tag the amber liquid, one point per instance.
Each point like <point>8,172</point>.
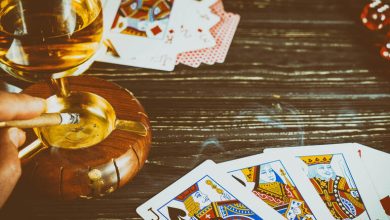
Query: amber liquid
<point>39,38</point>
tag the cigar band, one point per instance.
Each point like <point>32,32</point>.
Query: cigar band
<point>70,118</point>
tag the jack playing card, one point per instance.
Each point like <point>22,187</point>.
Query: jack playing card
<point>142,34</point>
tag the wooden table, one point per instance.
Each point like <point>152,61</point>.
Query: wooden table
<point>297,73</point>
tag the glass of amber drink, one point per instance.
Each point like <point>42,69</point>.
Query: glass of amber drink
<point>44,39</point>
<point>51,40</point>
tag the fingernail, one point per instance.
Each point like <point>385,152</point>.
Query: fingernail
<point>16,136</point>
<point>42,103</point>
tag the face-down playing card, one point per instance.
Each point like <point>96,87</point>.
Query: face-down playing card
<point>205,193</point>
<point>339,178</point>
<point>274,180</point>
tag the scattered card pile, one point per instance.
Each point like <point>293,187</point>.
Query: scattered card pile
<point>324,182</point>
<point>160,34</point>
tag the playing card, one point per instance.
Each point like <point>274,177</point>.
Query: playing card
<point>275,181</point>
<point>110,8</point>
<point>224,37</point>
<point>194,58</point>
<point>204,14</point>
<point>223,33</point>
<point>142,34</point>
<point>217,53</point>
<point>377,163</point>
<point>192,32</point>
<point>206,3</point>
<point>339,178</point>
<point>206,194</point>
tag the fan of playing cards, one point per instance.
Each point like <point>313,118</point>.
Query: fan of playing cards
<point>324,182</point>
<point>160,34</point>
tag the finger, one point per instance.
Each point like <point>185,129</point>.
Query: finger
<point>16,136</point>
<point>10,168</point>
<point>20,106</point>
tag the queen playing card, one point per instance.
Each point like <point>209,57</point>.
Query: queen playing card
<point>205,193</point>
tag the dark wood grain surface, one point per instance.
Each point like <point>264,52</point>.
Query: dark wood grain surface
<point>299,72</point>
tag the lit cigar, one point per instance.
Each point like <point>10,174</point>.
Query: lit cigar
<point>44,120</point>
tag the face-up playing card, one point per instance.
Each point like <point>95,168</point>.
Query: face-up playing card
<point>192,30</point>
<point>203,12</point>
<point>339,178</point>
<point>206,3</point>
<point>205,193</point>
<point>377,163</point>
<point>142,34</point>
<point>110,8</point>
<point>223,33</point>
<point>275,181</point>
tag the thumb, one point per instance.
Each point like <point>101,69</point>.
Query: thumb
<point>10,169</point>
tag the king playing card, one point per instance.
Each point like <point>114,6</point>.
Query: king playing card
<point>339,178</point>
<point>205,193</point>
<point>273,180</point>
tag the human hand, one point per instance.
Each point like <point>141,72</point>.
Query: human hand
<point>12,107</point>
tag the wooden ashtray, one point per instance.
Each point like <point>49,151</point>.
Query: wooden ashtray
<point>96,170</point>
